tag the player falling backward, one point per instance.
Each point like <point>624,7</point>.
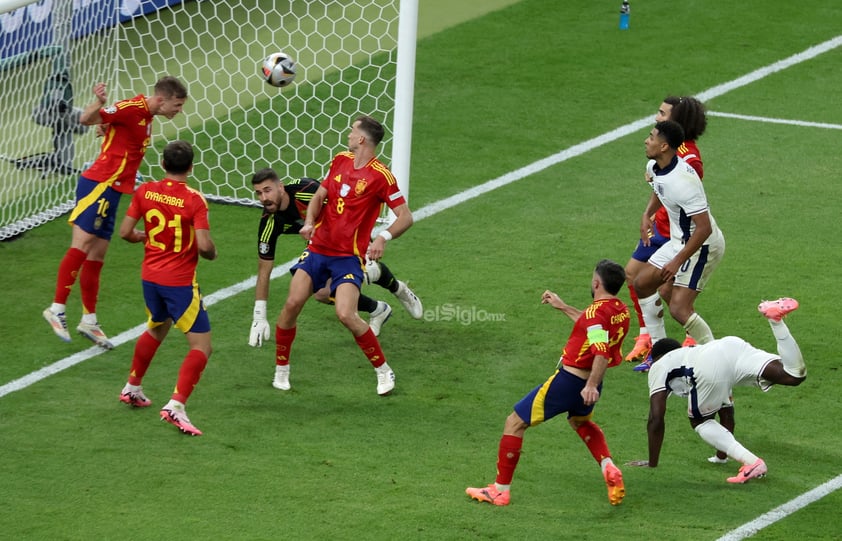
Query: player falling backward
<point>284,211</point>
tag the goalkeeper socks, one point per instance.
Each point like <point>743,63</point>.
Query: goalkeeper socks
<point>698,329</point>
<point>68,271</point>
<point>189,374</point>
<point>788,349</point>
<point>371,347</point>
<point>508,454</point>
<point>89,284</point>
<point>283,344</point>
<point>653,316</point>
<point>144,351</point>
<point>366,304</point>
<point>387,279</point>
<point>594,438</point>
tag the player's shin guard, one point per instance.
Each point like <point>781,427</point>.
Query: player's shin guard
<point>788,349</point>
<point>653,316</point>
<point>718,437</point>
<point>371,347</point>
<point>698,329</point>
<point>387,280</point>
<point>144,351</point>
<point>68,271</point>
<point>283,344</point>
<point>508,454</point>
<point>594,438</point>
<point>189,374</point>
<point>89,284</point>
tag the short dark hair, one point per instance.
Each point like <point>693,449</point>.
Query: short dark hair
<point>672,132</point>
<point>663,346</point>
<point>170,87</point>
<point>178,157</point>
<point>267,173</point>
<point>373,128</point>
<point>612,274</point>
<point>692,115</point>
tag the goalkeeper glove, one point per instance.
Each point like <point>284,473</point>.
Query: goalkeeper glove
<point>260,326</point>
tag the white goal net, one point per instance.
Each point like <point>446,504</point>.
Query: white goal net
<point>52,53</point>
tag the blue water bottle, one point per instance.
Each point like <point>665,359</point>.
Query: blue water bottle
<point>625,10</point>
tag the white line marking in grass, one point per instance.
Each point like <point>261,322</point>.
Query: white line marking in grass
<point>750,528</point>
<point>767,120</point>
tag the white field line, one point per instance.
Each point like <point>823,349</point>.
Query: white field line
<point>767,120</point>
<point>738,534</point>
<point>750,528</point>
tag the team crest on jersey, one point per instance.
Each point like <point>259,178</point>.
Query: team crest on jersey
<point>344,190</point>
<point>660,189</point>
<point>263,248</point>
<point>360,187</point>
<point>110,110</point>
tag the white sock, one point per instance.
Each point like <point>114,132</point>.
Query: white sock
<point>89,319</point>
<point>502,488</point>
<point>788,349</point>
<point>57,308</point>
<point>605,462</point>
<point>174,405</point>
<point>719,438</point>
<point>698,329</point>
<point>653,316</point>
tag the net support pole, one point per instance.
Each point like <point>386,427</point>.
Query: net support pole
<point>404,94</point>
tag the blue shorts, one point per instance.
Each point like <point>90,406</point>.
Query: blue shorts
<point>643,253</point>
<point>182,304</point>
<point>337,269</point>
<point>96,208</point>
<point>559,394</point>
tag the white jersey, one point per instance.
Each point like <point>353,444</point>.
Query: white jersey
<point>680,190</point>
<point>705,374</point>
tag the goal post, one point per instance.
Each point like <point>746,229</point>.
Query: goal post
<point>353,57</point>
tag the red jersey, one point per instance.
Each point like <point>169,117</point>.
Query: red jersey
<point>354,199</point>
<point>689,152</point>
<point>128,134</point>
<point>600,330</point>
<point>171,212</point>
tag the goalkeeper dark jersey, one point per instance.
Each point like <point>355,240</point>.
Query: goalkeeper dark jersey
<point>288,221</point>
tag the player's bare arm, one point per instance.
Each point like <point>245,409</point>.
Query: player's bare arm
<point>403,221</point>
<point>128,231</point>
<point>552,298</point>
<point>207,249</point>
<point>314,208</point>
<point>590,392</point>
<point>646,225</point>
<point>90,115</point>
<point>655,429</point>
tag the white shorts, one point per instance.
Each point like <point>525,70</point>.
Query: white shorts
<point>718,367</point>
<point>696,271</point>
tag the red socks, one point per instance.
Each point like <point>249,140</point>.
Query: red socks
<point>636,301</point>
<point>508,455</point>
<point>144,350</point>
<point>283,344</point>
<point>188,376</point>
<point>594,438</point>
<point>89,284</point>
<point>371,347</point>
<point>68,270</point>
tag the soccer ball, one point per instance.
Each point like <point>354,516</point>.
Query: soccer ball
<point>278,70</point>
